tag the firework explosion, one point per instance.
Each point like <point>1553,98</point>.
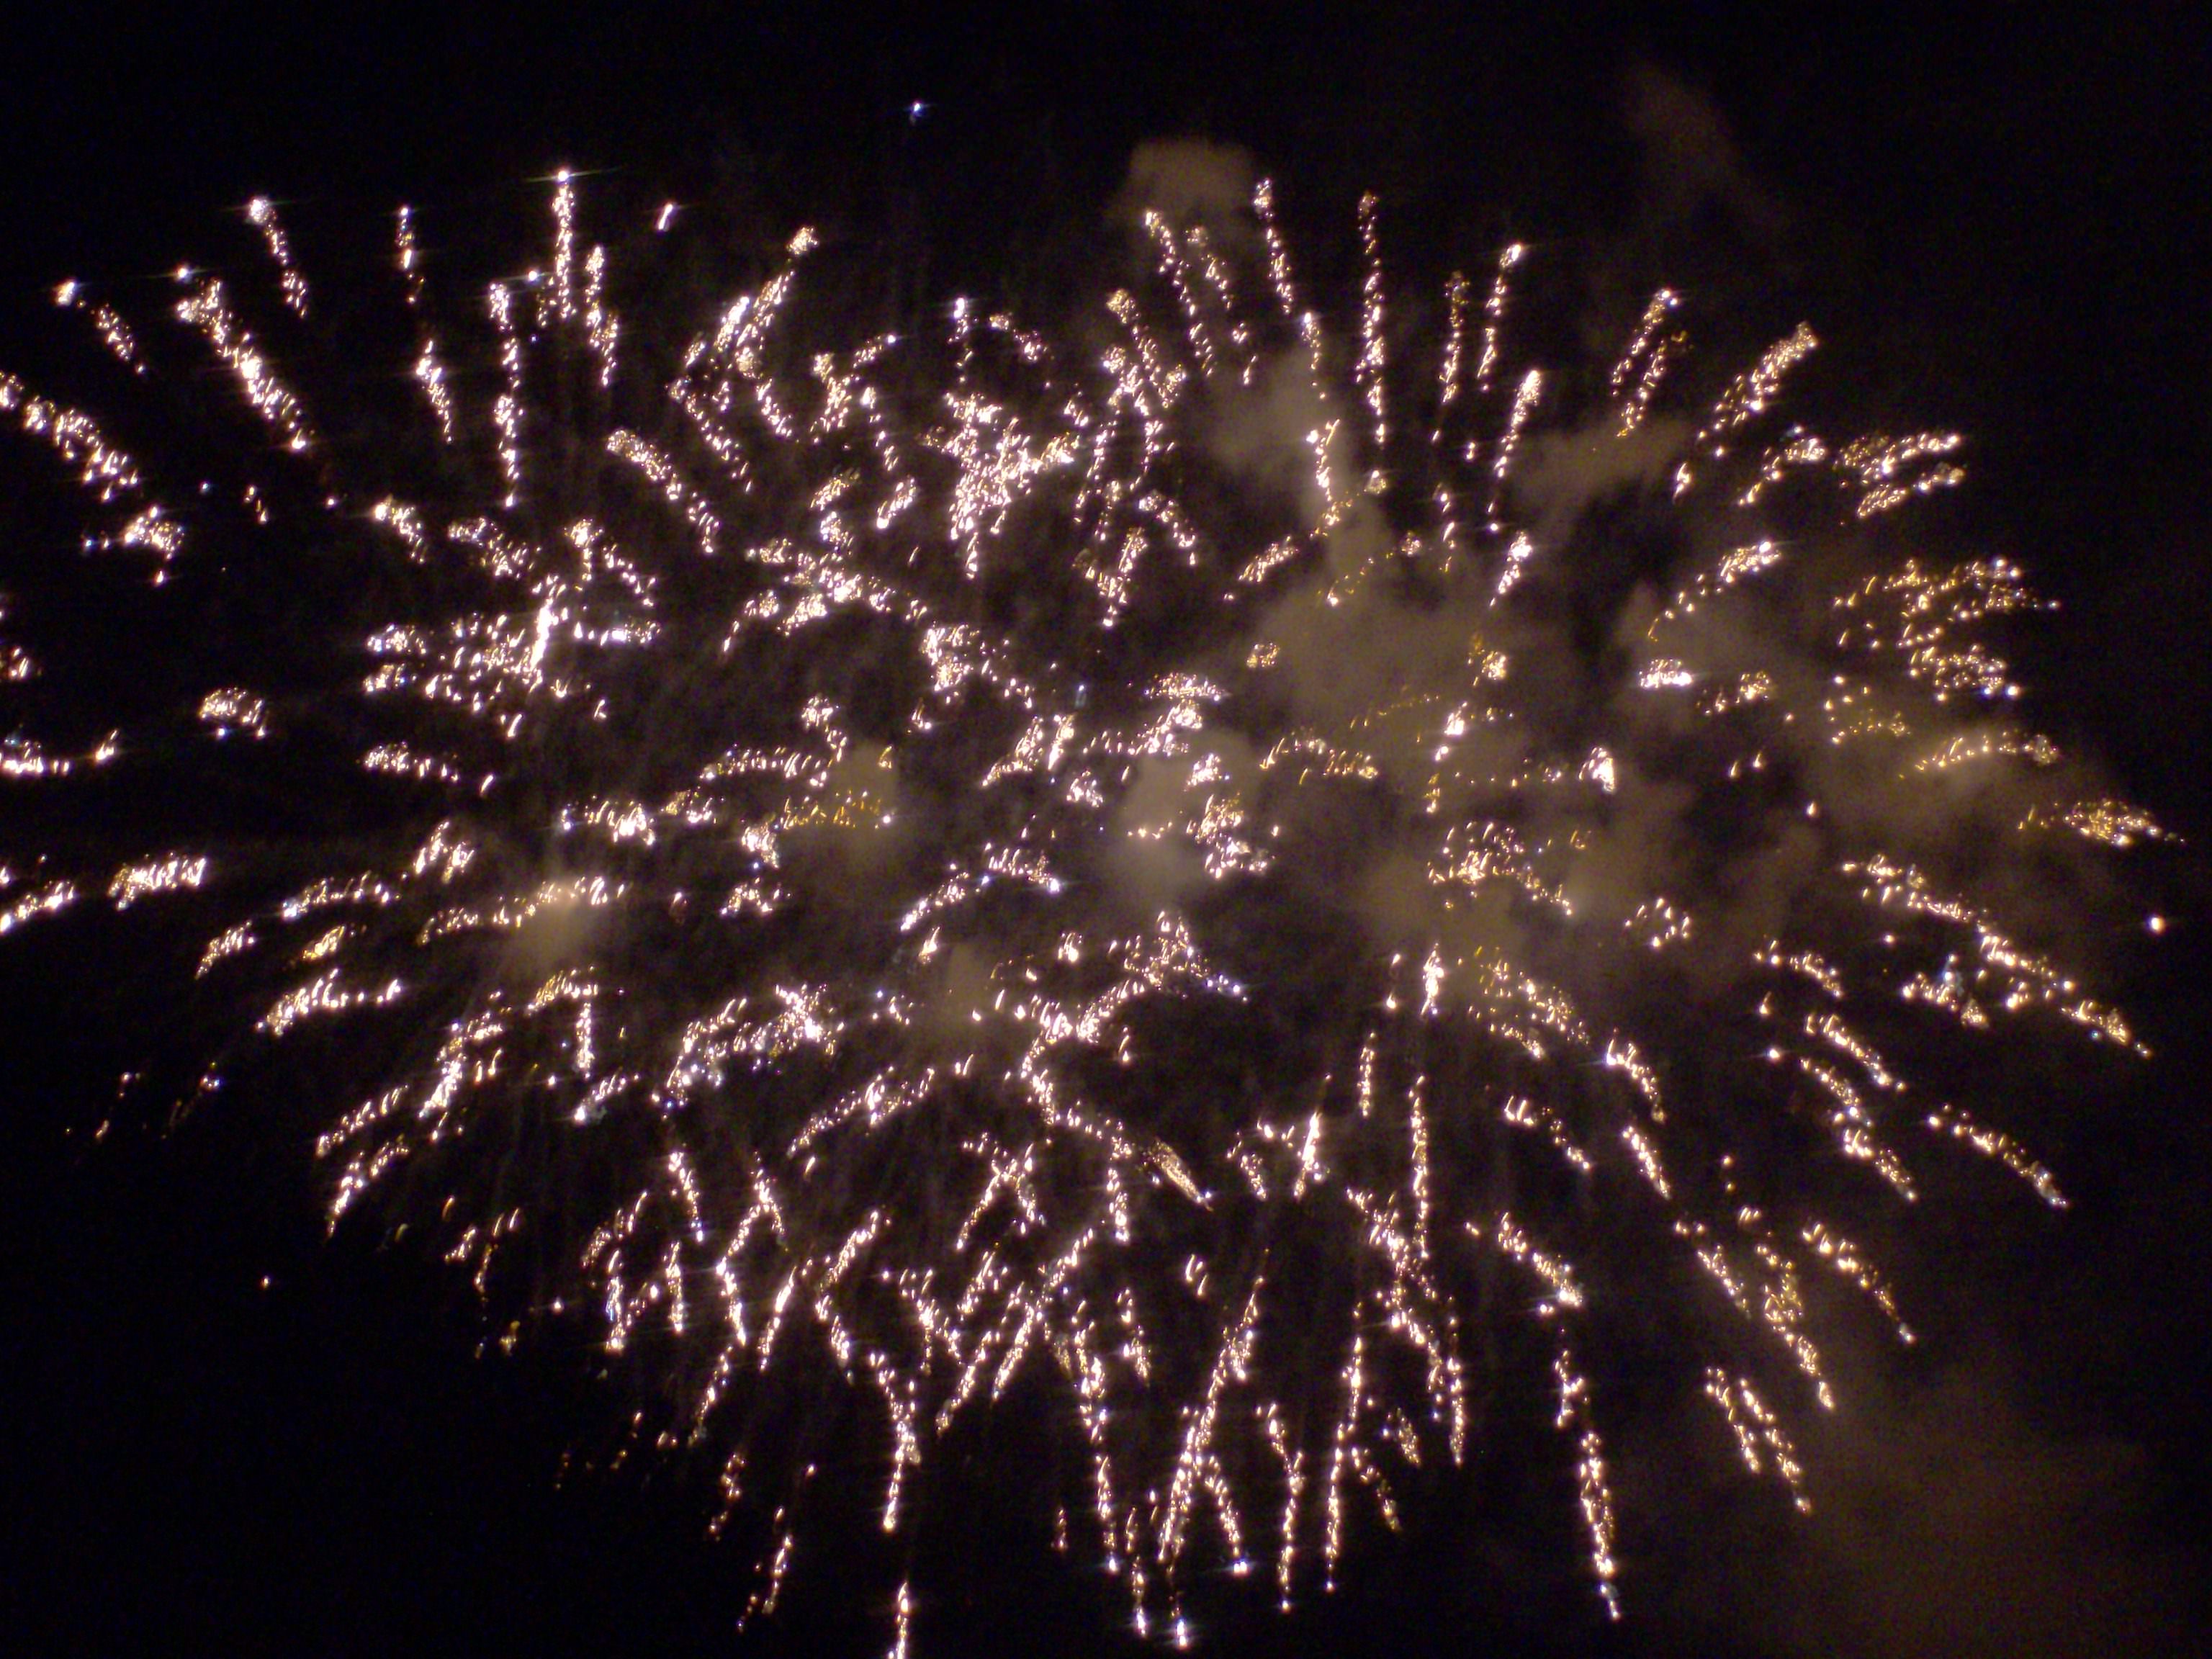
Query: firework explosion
<point>1214,871</point>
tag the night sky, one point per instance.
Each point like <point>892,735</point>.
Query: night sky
<point>225,1431</point>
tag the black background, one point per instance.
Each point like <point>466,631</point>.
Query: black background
<point>1998,223</point>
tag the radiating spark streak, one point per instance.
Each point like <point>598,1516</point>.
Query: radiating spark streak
<point>234,709</point>
<point>134,882</point>
<point>74,437</point>
<point>1760,1437</point>
<point>209,311</point>
<point>263,213</point>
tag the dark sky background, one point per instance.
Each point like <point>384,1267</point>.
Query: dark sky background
<point>1999,228</point>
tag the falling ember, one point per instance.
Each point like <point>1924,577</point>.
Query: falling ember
<point>980,860</point>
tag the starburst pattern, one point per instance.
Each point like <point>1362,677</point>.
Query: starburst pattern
<point>1206,869</point>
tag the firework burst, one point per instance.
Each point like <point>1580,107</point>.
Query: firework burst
<point>1216,871</point>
